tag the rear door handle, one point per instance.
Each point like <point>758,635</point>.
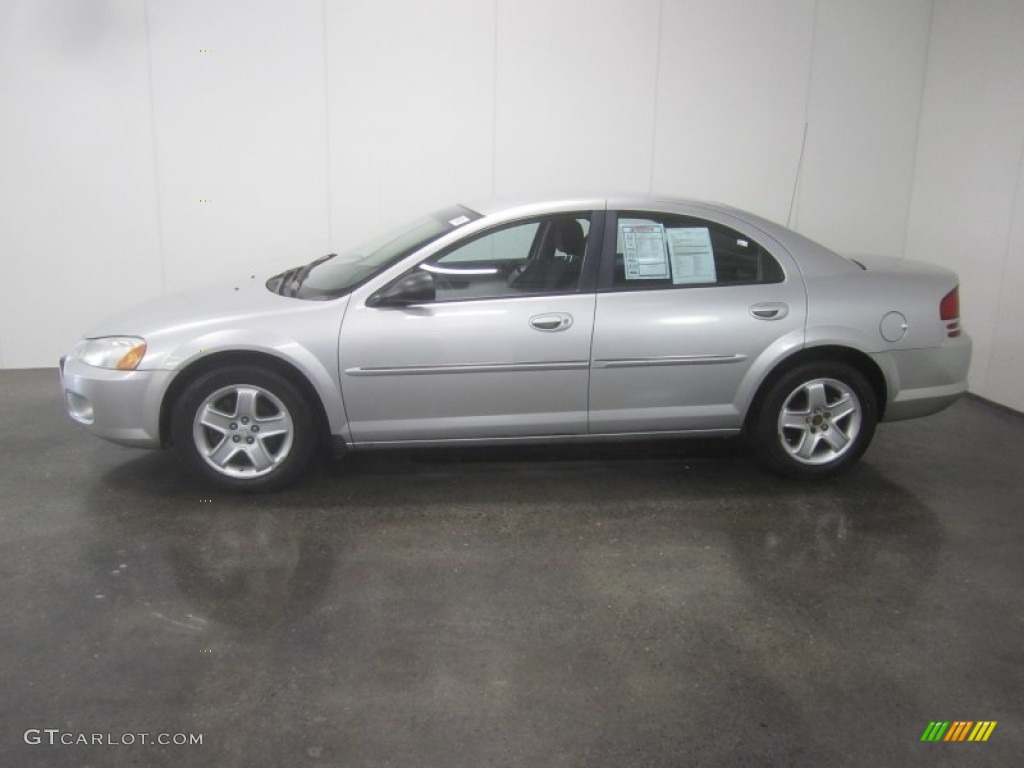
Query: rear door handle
<point>553,321</point>
<point>769,310</point>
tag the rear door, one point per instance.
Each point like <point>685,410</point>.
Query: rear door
<point>687,306</point>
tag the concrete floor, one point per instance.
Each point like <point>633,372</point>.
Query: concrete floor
<point>657,605</point>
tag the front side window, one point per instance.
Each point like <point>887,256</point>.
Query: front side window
<point>538,256</point>
<point>654,250</point>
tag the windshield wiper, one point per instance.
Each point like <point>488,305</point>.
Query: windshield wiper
<point>283,279</point>
<point>292,280</point>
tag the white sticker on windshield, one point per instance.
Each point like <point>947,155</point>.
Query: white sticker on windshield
<point>458,221</point>
<point>693,260</point>
<point>643,250</point>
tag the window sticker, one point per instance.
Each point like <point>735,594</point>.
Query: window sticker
<point>693,260</point>
<point>458,221</point>
<point>643,250</point>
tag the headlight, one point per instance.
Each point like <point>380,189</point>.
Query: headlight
<point>121,353</point>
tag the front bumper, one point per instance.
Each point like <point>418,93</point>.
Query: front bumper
<point>120,406</point>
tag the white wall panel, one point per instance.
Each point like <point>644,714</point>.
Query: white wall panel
<point>241,123</point>
<point>78,215</point>
<point>314,124</point>
<point>575,86</point>
<point>864,101</point>
<point>732,100</point>
<point>968,161</point>
<point>1005,381</point>
<point>411,109</point>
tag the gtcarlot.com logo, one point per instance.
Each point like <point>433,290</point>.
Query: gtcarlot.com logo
<point>55,736</point>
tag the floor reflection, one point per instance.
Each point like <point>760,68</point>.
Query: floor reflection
<point>398,603</point>
<point>252,569</point>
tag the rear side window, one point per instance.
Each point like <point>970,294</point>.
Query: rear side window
<point>656,251</point>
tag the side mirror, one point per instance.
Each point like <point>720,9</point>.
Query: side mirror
<point>415,288</point>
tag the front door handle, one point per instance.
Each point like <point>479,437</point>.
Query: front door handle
<point>553,321</point>
<point>769,310</point>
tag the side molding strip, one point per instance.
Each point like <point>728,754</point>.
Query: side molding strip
<point>650,362</point>
<point>418,370</point>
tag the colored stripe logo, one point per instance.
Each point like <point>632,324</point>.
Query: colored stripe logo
<point>958,730</point>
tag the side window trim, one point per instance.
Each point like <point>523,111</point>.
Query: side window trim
<point>592,256</point>
<point>606,275</point>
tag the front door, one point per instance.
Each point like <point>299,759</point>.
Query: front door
<point>502,351</point>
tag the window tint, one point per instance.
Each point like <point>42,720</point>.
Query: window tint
<point>665,251</point>
<point>507,243</point>
<point>536,256</point>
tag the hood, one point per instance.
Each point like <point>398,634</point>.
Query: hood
<point>195,308</point>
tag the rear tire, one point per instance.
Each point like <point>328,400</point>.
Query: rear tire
<point>244,428</point>
<point>814,421</point>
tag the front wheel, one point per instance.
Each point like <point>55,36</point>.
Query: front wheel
<point>245,428</point>
<point>815,420</point>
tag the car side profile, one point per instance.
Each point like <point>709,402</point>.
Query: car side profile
<point>556,321</point>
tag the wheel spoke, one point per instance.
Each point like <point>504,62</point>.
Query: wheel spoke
<point>793,420</point>
<point>816,395</point>
<point>836,439</point>
<point>257,453</point>
<point>843,408</point>
<point>214,419</point>
<point>223,452</point>
<point>808,442</point>
<point>279,424</point>
<point>246,403</point>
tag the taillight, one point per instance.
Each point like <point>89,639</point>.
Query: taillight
<point>949,307</point>
<point>949,312</point>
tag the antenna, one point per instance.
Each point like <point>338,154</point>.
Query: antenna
<point>796,180</point>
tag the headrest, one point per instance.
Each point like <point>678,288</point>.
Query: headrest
<point>569,237</point>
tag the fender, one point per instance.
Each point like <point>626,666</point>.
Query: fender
<point>275,344</point>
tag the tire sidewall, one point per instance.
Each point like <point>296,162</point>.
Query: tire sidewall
<point>763,424</point>
<point>303,440</point>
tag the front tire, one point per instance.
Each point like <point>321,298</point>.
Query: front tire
<point>814,421</point>
<point>244,428</point>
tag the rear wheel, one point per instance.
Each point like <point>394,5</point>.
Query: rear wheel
<point>244,428</point>
<point>815,420</point>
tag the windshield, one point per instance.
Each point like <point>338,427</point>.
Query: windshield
<point>328,278</point>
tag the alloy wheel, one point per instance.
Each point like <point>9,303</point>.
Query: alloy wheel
<point>243,431</point>
<point>819,421</point>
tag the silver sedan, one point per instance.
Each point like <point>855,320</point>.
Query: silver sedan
<point>501,322</point>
